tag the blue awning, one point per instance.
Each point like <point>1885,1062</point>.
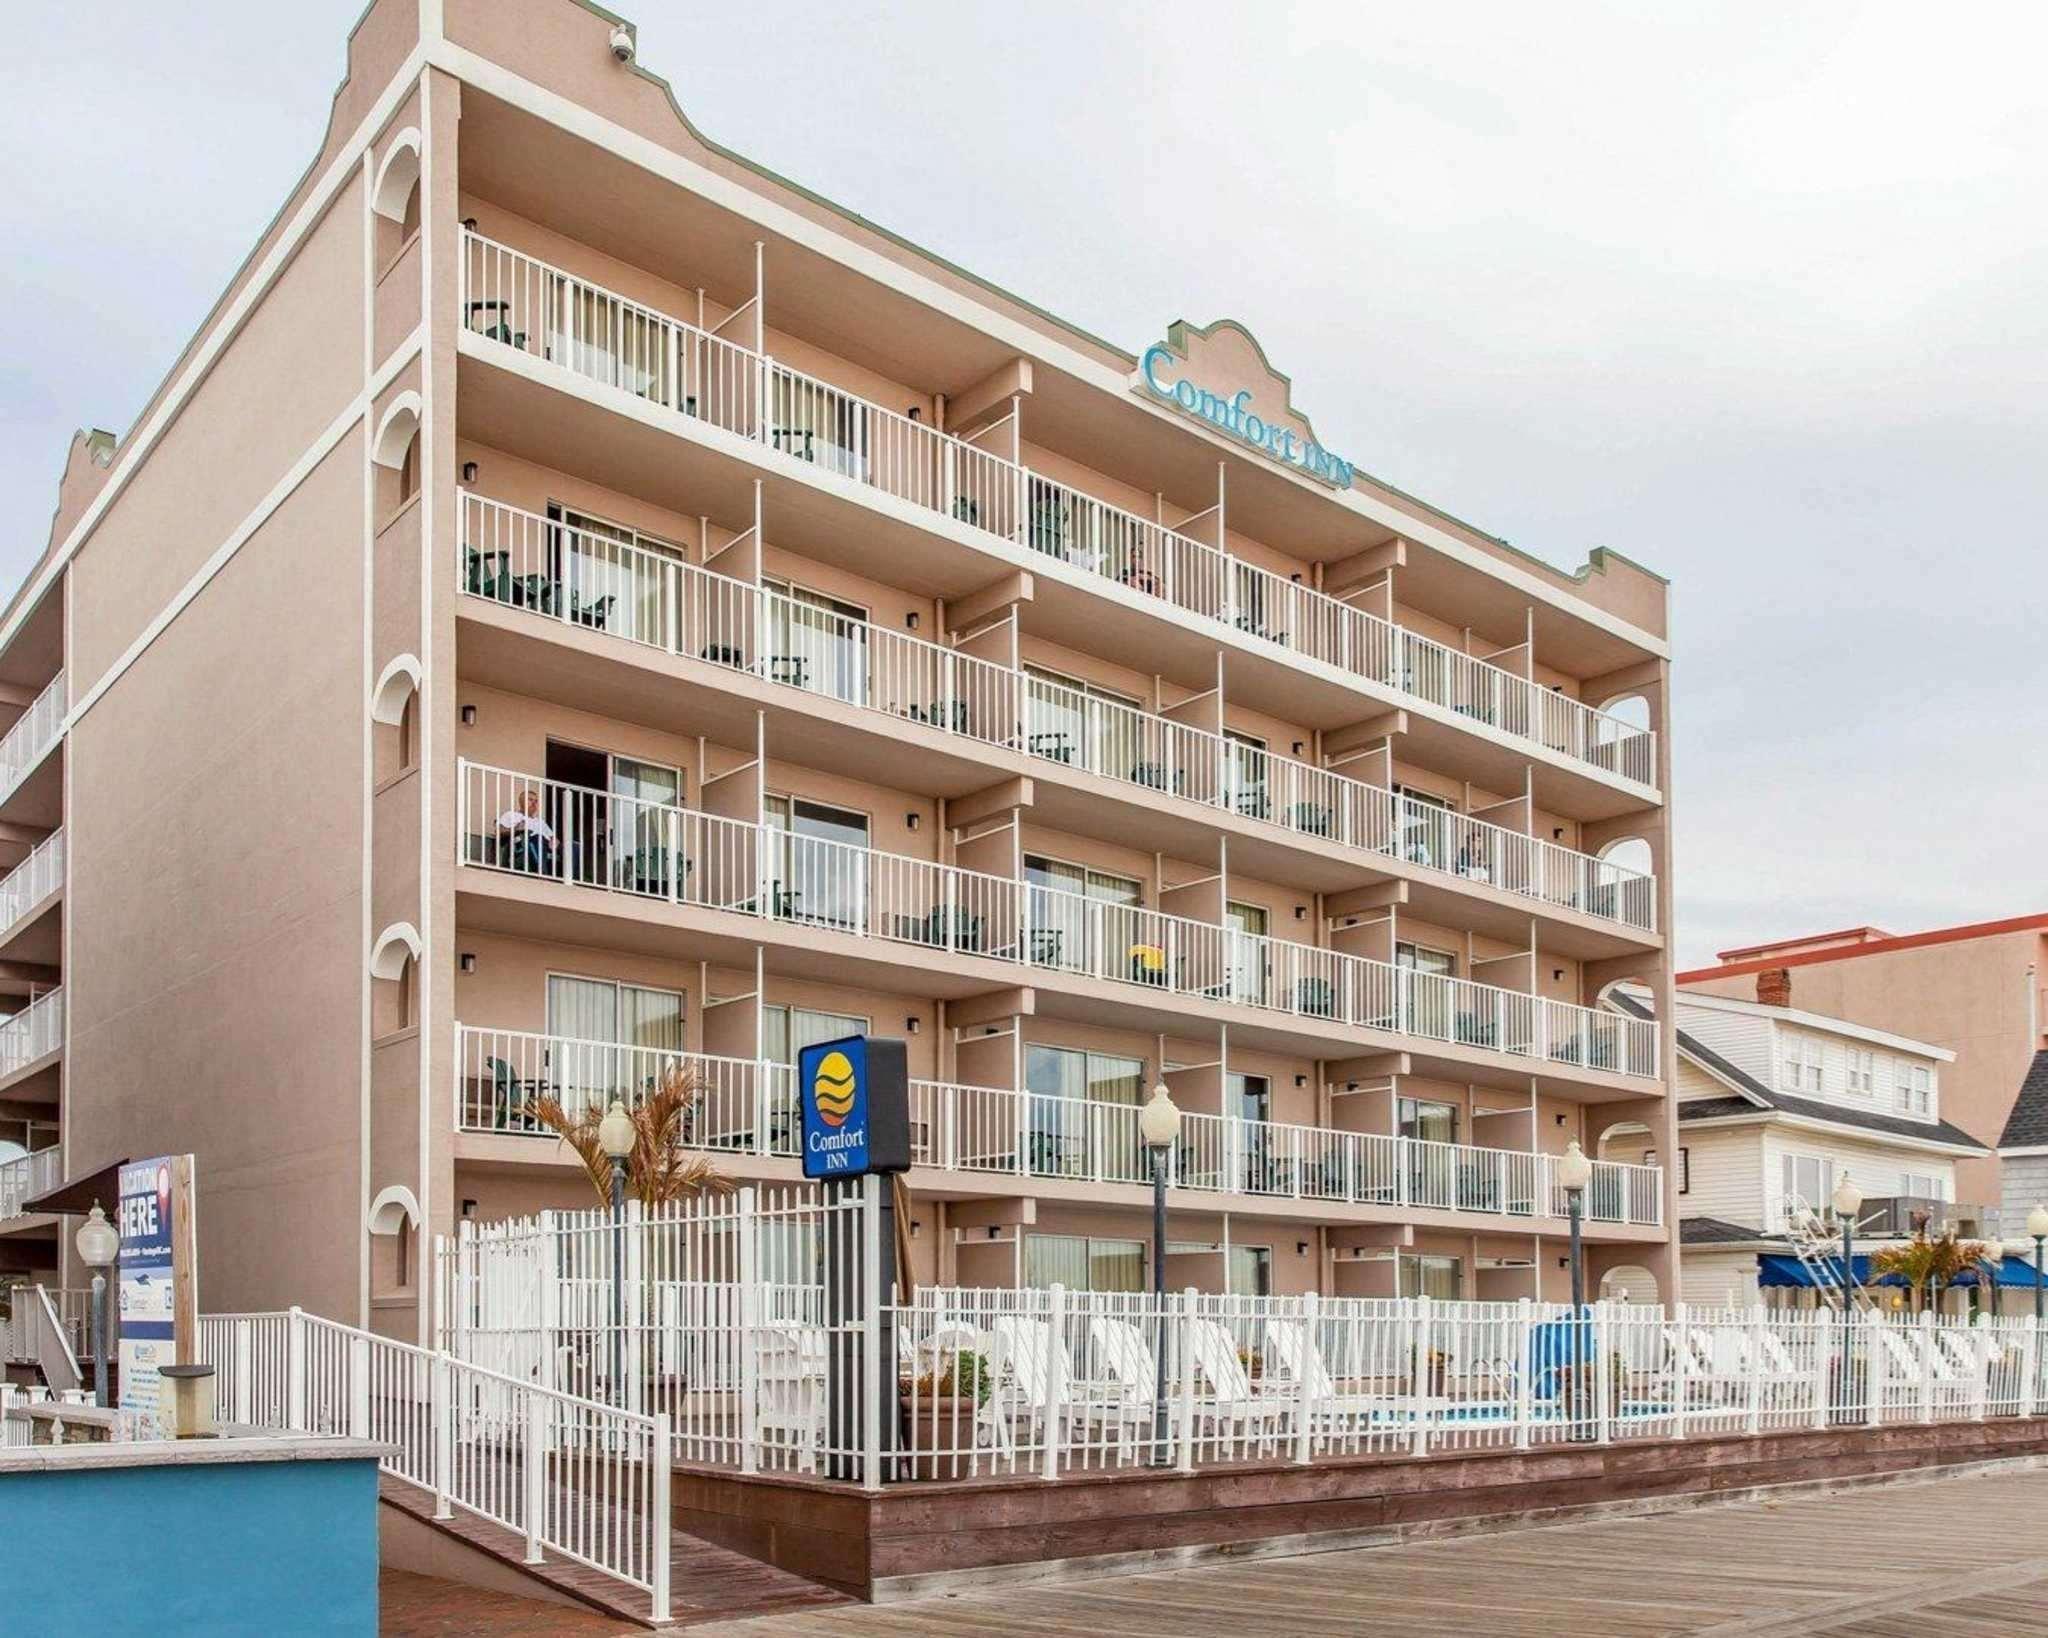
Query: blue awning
<point>1775,1268</point>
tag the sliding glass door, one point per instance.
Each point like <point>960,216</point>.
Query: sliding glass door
<point>608,1040</point>
<point>819,864</point>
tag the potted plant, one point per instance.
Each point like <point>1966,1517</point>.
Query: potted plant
<point>941,1411</point>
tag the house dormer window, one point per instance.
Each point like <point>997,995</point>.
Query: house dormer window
<point>1802,1064</point>
<point>1862,1072</point>
<point>1916,1090</point>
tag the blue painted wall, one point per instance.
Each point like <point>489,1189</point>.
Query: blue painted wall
<point>255,1548</point>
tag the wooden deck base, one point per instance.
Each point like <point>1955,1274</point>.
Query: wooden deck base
<point>912,1540</point>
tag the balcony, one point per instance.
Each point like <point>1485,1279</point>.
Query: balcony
<point>27,1176</point>
<point>744,1106</point>
<point>619,844</point>
<point>28,741</point>
<point>522,560</point>
<point>32,881</point>
<point>32,1033</point>
<point>520,303</point>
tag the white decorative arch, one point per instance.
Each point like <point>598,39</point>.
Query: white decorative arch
<point>396,945</point>
<point>396,430</point>
<point>396,175</point>
<point>393,1206</point>
<point>399,682</point>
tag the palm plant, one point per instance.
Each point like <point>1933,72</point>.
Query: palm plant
<point>1927,1266</point>
<point>659,1169</point>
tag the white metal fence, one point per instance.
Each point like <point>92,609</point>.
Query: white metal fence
<point>549,313</point>
<point>644,595</point>
<point>748,1106</point>
<point>575,1477</point>
<point>551,830</point>
<point>722,1314</point>
<point>33,733</point>
<point>32,1032</point>
<point>27,1176</point>
<point>32,881</point>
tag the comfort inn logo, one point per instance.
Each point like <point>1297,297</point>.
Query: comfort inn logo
<point>832,1088</point>
<point>1200,373</point>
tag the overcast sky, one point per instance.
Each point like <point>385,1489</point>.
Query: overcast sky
<point>1752,293</point>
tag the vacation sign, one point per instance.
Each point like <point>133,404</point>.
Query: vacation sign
<point>854,1098</point>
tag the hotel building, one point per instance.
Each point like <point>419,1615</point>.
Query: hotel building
<point>582,602</point>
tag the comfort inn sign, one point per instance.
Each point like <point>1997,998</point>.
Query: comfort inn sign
<point>1220,375</point>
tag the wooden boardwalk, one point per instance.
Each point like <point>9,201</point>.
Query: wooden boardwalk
<point>1941,1558</point>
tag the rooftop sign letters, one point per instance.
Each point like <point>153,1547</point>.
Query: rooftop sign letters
<point>1221,376</point>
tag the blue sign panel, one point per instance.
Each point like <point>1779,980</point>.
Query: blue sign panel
<point>147,1301</point>
<point>832,1091</point>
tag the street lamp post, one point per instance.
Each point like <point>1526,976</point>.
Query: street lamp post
<point>1848,1203</point>
<point>98,1245</point>
<point>1574,1172</point>
<point>2037,1227</point>
<point>1159,1126</point>
<point>615,1137</point>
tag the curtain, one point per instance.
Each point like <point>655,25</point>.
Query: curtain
<point>1056,1259</point>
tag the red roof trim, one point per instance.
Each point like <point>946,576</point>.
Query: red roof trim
<point>1848,952</point>
<point>1745,951</point>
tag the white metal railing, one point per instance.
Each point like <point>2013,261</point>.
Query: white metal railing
<point>32,881</point>
<point>748,1106</point>
<point>35,1030</point>
<point>27,1176</point>
<point>572,1476</point>
<point>546,312</point>
<point>549,830</point>
<point>588,578</point>
<point>33,733</point>
<point>722,1310</point>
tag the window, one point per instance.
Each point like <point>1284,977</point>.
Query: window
<point>1862,1072</point>
<point>1425,821</point>
<point>608,1039</point>
<point>1251,1271</point>
<point>1921,1186</point>
<point>1065,1140</point>
<point>819,424</point>
<point>1426,990</point>
<point>1083,1264</point>
<point>1246,772</point>
<point>1915,1089</point>
<point>609,575</point>
<point>817,642</point>
<point>1422,1276</point>
<point>1250,1098</point>
<point>1431,1129</point>
<point>1806,1181</point>
<point>1063,923</point>
<point>1069,719</point>
<point>786,1031</point>
<point>1248,952</point>
<point>819,862</point>
<point>1802,1072</point>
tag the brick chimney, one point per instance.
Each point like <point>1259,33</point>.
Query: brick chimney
<point>1774,987</point>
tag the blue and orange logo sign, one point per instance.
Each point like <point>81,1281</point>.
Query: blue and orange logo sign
<point>833,1087</point>
<point>832,1082</point>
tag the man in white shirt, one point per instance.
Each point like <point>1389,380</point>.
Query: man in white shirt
<point>526,840</point>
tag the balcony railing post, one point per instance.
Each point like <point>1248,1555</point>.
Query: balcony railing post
<point>1304,1409</point>
<point>747,1267</point>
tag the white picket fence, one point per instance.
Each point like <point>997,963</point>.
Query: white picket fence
<point>721,1316</point>
<point>572,1476</point>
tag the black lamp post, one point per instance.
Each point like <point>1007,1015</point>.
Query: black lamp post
<point>99,1243</point>
<point>1159,1127</point>
<point>615,1137</point>
<point>1574,1172</point>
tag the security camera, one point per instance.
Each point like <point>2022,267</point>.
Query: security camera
<point>622,44</point>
